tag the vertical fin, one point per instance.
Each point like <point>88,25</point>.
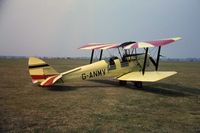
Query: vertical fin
<point>40,70</point>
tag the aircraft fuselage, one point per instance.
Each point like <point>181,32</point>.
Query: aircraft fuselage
<point>100,70</point>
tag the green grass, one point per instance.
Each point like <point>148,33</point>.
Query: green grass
<point>171,105</point>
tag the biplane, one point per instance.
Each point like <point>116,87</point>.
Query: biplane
<point>129,65</point>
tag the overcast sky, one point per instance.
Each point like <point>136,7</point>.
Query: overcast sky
<point>56,28</point>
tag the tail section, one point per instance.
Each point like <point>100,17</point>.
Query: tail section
<point>40,70</point>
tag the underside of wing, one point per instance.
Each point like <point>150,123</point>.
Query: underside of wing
<point>149,76</point>
<point>155,43</point>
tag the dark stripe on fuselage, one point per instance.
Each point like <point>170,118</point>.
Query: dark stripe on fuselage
<point>40,65</point>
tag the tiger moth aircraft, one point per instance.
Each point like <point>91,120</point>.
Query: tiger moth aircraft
<point>129,66</point>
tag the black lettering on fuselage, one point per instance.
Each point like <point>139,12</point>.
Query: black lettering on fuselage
<point>104,71</point>
<point>84,76</point>
<point>93,74</point>
<point>99,72</point>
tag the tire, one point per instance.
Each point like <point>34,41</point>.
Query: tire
<point>138,84</point>
<point>122,83</point>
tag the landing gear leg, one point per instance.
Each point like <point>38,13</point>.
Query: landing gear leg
<point>138,84</point>
<point>122,83</point>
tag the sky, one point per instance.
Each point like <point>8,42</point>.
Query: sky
<point>57,28</point>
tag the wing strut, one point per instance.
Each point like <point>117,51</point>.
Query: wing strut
<point>101,54</point>
<point>158,58</point>
<point>156,63</point>
<point>145,60</point>
<point>91,59</point>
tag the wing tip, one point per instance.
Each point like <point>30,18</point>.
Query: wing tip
<point>177,38</point>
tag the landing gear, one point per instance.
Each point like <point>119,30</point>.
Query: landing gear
<point>122,83</point>
<point>138,84</point>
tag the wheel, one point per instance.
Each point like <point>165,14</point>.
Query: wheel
<point>122,83</point>
<point>138,84</point>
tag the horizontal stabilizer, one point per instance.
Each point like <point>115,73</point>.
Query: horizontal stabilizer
<point>51,80</point>
<point>57,78</point>
<point>149,76</point>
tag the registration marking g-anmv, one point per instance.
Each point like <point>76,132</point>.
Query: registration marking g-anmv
<point>93,74</point>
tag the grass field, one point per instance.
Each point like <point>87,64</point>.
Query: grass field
<point>171,105</point>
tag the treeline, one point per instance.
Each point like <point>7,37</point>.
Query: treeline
<point>182,59</point>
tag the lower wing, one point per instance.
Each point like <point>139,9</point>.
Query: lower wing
<point>149,76</point>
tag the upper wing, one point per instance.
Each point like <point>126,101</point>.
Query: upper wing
<point>99,46</point>
<point>129,45</point>
<point>149,76</point>
<point>155,43</point>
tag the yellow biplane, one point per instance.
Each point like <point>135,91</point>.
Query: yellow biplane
<point>129,66</point>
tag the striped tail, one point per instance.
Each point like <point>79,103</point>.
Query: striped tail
<point>40,70</point>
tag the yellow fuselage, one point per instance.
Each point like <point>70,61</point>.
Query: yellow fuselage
<point>100,70</point>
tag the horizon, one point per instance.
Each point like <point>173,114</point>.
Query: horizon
<point>87,57</point>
